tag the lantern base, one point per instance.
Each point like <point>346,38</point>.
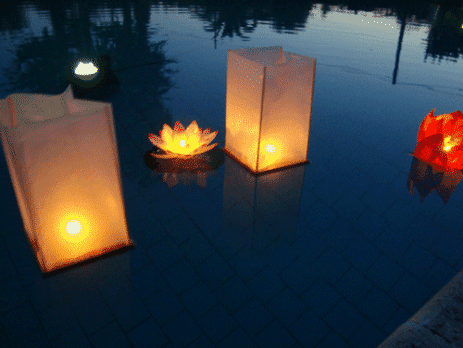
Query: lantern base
<point>229,154</point>
<point>117,249</point>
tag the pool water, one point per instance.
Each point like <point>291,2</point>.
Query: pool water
<point>335,253</point>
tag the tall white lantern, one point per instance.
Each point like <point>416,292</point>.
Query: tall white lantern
<point>63,162</point>
<point>268,107</point>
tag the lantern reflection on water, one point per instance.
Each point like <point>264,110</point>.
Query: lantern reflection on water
<point>268,107</point>
<point>63,162</point>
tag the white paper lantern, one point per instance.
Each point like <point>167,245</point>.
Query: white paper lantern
<point>63,162</point>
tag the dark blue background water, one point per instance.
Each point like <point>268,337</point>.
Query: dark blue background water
<point>337,253</point>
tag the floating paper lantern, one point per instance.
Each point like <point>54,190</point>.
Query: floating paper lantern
<point>182,143</point>
<point>268,107</point>
<point>439,141</point>
<point>63,162</point>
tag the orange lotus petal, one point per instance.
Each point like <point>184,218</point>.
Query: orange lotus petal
<point>178,127</point>
<point>157,141</point>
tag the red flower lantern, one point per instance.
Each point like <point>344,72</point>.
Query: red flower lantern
<point>440,141</point>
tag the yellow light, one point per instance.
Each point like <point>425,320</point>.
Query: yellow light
<point>182,143</point>
<point>447,148</point>
<point>270,148</point>
<point>74,227</point>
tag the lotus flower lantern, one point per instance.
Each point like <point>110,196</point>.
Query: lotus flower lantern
<point>439,141</point>
<point>182,143</point>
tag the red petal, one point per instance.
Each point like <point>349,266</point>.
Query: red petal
<point>178,127</point>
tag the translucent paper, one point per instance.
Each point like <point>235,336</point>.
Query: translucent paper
<point>63,162</point>
<point>269,103</point>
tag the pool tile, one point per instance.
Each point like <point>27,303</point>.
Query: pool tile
<point>287,307</point>
<point>181,228</point>
<point>129,311</point>
<point>37,339</point>
<point>274,336</point>
<point>349,207</point>
<point>340,235</point>
<point>328,190</point>
<point>214,271</point>
<point>92,311</point>
<point>362,253</point>
<point>300,275</point>
<point>378,306</point>
<point>439,275</point>
<point>367,336</point>
<point>197,249</point>
<point>180,276</point>
<point>233,293</point>
<point>12,294</point>
<point>354,285</point>
<point>358,181</point>
<point>20,321</point>
<point>397,319</point>
<point>375,191</point>
<point>198,299</point>
<point>309,329</point>
<point>111,336</point>
<point>331,265</point>
<point>266,284</point>
<point>448,248</point>
<point>332,340</point>
<point>410,292</point>
<point>164,253</point>
<point>344,318</point>
<point>238,338</point>
<point>319,216</point>
<point>201,342</point>
<point>385,272</point>
<point>164,305</point>
<point>321,297</point>
<point>147,334</point>
<point>57,318</point>
<point>74,338</point>
<point>182,330</point>
<point>393,242</point>
<point>147,281</point>
<point>253,316</point>
<point>417,260</point>
<point>246,263</point>
<point>401,214</point>
<point>217,323</point>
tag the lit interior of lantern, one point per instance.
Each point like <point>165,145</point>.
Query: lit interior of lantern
<point>74,227</point>
<point>450,142</point>
<point>271,152</point>
<point>85,69</point>
<point>183,143</point>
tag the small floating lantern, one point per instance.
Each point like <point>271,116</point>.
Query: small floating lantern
<point>86,71</point>
<point>268,108</point>
<point>440,141</point>
<point>182,143</point>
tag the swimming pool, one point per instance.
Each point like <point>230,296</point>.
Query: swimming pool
<point>336,253</point>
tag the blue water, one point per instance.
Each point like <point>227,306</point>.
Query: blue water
<point>336,253</point>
